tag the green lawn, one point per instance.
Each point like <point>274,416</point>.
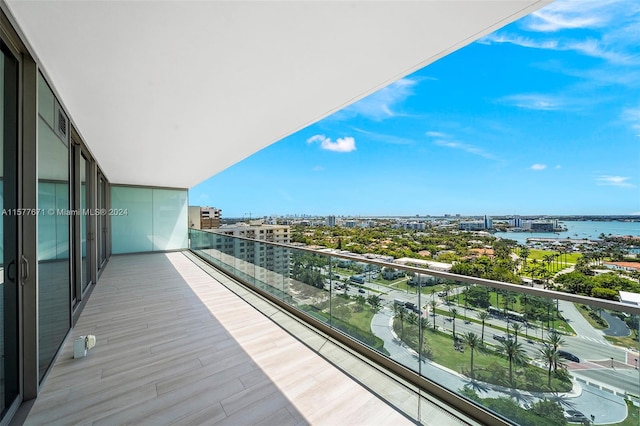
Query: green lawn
<point>633,417</point>
<point>625,342</point>
<point>402,285</point>
<point>585,312</point>
<point>488,366</point>
<point>556,323</point>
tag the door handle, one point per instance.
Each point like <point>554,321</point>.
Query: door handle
<point>25,268</point>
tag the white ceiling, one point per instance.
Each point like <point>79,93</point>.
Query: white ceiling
<point>169,93</point>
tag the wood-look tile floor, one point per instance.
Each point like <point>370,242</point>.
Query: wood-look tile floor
<point>174,346</point>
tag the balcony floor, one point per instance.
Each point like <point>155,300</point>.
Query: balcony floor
<point>175,346</point>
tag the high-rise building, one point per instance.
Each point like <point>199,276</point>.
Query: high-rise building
<point>265,262</point>
<point>331,221</point>
<point>488,222</point>
<point>210,217</point>
<point>204,217</point>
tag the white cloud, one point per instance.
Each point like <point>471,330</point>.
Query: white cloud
<point>384,137</point>
<point>591,47</point>
<point>571,14</point>
<point>346,144</point>
<point>538,166</point>
<point>558,167</point>
<point>596,49</point>
<point>632,115</point>
<point>612,25</point>
<point>464,147</point>
<point>382,104</point>
<point>536,101</point>
<point>318,169</point>
<point>519,41</point>
<point>620,181</point>
<point>437,135</point>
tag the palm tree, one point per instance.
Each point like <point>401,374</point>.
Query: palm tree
<point>424,324</point>
<point>447,289</point>
<point>465,293</point>
<point>471,340</point>
<point>547,258</point>
<point>482,316</point>
<point>524,254</point>
<point>412,318</point>
<point>375,301</point>
<point>551,359</point>
<point>514,353</point>
<point>533,269</point>
<point>433,305</point>
<point>555,340</point>
<point>516,327</point>
<point>453,312</point>
<point>399,311</point>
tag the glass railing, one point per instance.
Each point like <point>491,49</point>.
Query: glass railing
<point>524,355</point>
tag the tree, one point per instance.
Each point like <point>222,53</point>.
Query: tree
<point>514,353</point>
<point>555,340</point>
<point>516,327</point>
<point>548,258</point>
<point>423,324</point>
<point>433,305</point>
<point>447,289</point>
<point>524,254</point>
<point>471,340</point>
<point>400,313</point>
<point>453,312</point>
<point>550,411</point>
<point>360,301</point>
<point>482,316</point>
<point>412,318</point>
<point>551,359</point>
<point>375,302</point>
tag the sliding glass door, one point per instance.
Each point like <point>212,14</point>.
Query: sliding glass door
<point>54,247</point>
<point>9,280</point>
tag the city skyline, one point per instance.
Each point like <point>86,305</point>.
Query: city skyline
<point>540,117</point>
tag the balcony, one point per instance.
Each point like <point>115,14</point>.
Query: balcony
<point>180,345</point>
<point>182,342</point>
<point>498,352</point>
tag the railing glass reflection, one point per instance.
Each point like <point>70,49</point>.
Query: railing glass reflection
<point>534,357</point>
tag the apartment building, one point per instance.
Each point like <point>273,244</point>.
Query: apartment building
<point>204,217</point>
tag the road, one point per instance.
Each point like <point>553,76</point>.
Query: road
<point>591,400</point>
<point>588,345</point>
<point>617,327</point>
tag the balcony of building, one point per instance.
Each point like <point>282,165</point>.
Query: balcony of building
<point>208,336</point>
<point>179,344</point>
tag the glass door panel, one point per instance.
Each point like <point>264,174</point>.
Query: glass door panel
<point>54,280</point>
<point>9,307</point>
<point>102,220</point>
<point>85,278</point>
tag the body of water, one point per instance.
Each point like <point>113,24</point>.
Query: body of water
<point>577,230</point>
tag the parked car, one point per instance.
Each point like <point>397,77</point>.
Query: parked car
<point>574,416</point>
<point>568,355</point>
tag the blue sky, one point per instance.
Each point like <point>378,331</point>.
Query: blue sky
<point>540,117</point>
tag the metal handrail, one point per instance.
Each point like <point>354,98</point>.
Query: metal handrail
<point>533,291</point>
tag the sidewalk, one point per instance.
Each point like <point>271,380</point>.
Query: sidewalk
<point>607,406</point>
